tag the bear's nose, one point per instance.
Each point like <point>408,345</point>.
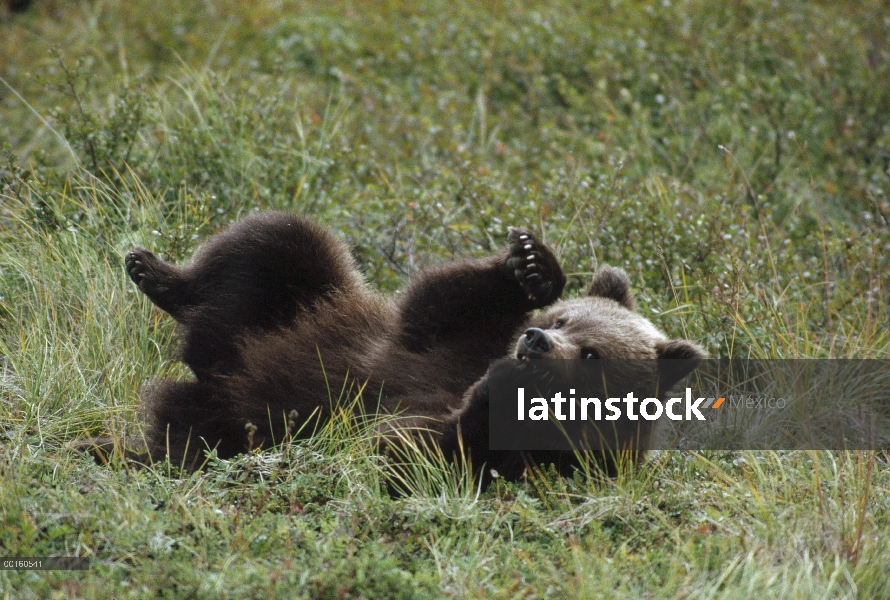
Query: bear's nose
<point>535,342</point>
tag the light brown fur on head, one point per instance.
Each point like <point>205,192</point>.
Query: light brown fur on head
<point>603,324</point>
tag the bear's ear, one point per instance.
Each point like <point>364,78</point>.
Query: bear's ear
<point>676,360</point>
<point>612,283</point>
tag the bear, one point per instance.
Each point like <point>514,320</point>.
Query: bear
<point>277,320</point>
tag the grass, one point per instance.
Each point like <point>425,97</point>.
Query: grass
<point>732,157</point>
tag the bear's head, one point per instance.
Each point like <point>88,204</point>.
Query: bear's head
<point>605,325</point>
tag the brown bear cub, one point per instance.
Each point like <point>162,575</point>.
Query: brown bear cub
<point>277,318</point>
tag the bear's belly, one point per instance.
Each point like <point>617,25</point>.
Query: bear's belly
<point>339,352</point>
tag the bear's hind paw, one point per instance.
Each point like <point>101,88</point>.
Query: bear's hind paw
<point>156,279</point>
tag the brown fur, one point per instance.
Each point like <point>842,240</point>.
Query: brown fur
<point>277,318</point>
<point>275,314</point>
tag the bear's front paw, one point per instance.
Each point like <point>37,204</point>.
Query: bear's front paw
<point>141,268</point>
<point>533,265</point>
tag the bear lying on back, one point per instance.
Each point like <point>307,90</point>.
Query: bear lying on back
<point>277,318</point>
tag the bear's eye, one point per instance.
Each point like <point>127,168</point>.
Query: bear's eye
<point>559,323</point>
<point>590,354</point>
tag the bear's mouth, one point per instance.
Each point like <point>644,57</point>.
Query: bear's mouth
<point>534,343</point>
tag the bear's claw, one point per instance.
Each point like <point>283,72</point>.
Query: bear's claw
<point>139,267</point>
<point>528,262</point>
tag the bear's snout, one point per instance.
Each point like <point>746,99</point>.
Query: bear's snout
<point>534,343</point>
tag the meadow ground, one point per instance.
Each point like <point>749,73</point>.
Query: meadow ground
<point>733,157</point>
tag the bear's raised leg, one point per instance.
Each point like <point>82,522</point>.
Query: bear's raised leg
<point>162,282</point>
<point>476,305</point>
<point>256,276</point>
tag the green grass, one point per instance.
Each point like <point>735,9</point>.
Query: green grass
<point>733,157</point>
